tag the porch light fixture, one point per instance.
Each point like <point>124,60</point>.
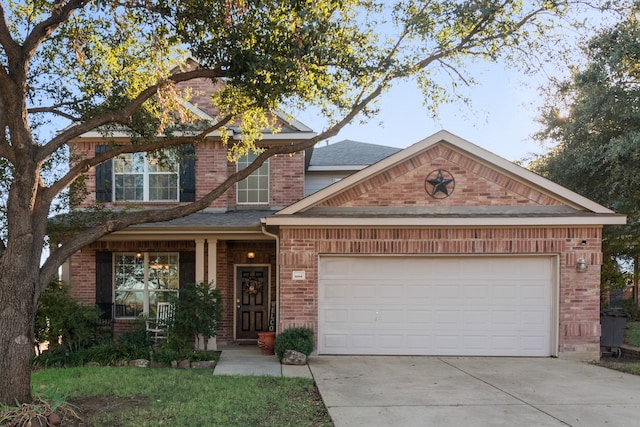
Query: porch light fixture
<point>581,265</point>
<point>251,255</point>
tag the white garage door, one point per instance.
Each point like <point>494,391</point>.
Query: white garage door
<point>462,305</point>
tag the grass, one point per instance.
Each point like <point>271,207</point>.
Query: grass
<point>628,365</point>
<point>171,397</point>
<point>632,334</point>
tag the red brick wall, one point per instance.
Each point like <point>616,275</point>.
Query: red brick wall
<point>579,299</point>
<point>475,185</point>
<point>286,179</point>
<point>286,182</point>
<point>83,276</point>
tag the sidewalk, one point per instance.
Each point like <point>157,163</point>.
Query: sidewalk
<point>249,360</point>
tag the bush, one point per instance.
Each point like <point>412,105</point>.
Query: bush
<point>298,339</point>
<point>198,311</point>
<point>61,319</point>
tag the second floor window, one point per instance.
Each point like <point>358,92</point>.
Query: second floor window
<point>255,188</point>
<point>143,177</point>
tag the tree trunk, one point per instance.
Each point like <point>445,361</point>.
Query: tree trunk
<point>20,284</point>
<point>17,319</point>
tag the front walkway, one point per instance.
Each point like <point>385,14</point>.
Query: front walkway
<point>249,360</point>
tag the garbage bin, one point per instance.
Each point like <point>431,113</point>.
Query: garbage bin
<point>612,324</point>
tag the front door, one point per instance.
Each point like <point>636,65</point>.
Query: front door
<point>252,301</point>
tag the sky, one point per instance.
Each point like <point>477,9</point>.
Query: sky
<point>500,118</point>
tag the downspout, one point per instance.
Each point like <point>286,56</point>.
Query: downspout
<point>277,239</point>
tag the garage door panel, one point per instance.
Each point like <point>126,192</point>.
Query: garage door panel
<point>534,319</point>
<point>362,341</point>
<point>477,319</point>
<point>420,318</point>
<point>335,316</point>
<point>334,341</point>
<point>435,305</point>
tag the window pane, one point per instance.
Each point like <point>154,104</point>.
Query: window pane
<point>163,271</point>
<point>128,272</point>
<point>163,187</point>
<point>263,196</point>
<point>162,161</point>
<point>129,187</point>
<point>252,182</point>
<point>129,163</point>
<point>129,304</point>
<point>263,182</point>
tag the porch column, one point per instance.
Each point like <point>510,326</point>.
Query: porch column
<point>199,260</point>
<point>212,251</point>
<point>212,246</point>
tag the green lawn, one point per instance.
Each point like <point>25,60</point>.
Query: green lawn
<point>632,334</point>
<point>172,397</point>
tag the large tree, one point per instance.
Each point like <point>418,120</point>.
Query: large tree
<point>116,65</point>
<point>593,120</point>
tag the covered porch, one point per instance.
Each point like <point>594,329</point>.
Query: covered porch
<point>135,268</point>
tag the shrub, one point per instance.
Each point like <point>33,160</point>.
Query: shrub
<point>198,311</point>
<point>298,339</point>
<point>62,319</point>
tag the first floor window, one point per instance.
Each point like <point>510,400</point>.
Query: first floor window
<point>142,280</point>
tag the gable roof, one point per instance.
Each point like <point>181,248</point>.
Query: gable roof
<point>348,155</point>
<point>533,200</point>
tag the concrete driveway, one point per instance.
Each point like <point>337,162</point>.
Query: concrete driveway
<point>449,391</point>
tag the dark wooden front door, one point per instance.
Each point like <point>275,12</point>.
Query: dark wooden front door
<point>252,301</point>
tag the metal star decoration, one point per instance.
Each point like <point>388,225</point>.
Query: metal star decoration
<point>442,184</point>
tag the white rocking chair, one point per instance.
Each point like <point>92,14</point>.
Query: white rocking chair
<point>158,325</point>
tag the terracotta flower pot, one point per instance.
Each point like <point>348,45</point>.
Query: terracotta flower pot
<point>266,341</point>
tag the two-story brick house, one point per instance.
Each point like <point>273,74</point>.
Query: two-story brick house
<point>439,249</point>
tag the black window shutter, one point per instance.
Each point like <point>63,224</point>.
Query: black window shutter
<point>188,173</point>
<point>187,268</point>
<point>103,176</point>
<point>104,278</point>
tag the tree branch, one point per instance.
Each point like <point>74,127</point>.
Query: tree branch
<point>48,194</point>
<point>60,254</point>
<point>60,13</point>
<point>11,48</point>
<point>122,116</point>
<point>52,110</point>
